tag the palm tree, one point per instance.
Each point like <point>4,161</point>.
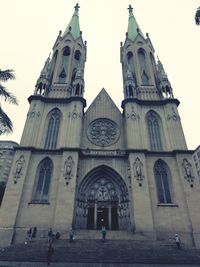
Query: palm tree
<point>197,16</point>
<point>6,125</point>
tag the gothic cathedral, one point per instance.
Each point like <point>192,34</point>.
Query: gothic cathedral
<point>130,171</point>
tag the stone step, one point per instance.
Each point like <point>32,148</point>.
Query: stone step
<point>112,235</point>
<point>97,251</point>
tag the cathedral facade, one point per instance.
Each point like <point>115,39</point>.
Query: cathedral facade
<point>129,170</point>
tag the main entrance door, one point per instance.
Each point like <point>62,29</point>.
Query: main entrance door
<point>102,218</point>
<point>102,200</point>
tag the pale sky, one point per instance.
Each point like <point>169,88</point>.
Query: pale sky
<point>29,30</point>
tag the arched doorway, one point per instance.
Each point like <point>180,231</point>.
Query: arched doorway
<point>102,199</point>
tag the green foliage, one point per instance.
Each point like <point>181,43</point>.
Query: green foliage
<point>197,16</point>
<point>6,125</point>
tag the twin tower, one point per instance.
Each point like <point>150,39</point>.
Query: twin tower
<point>128,171</point>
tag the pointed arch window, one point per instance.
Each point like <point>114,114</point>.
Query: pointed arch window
<point>143,67</point>
<point>77,55</point>
<point>43,178</point>
<point>52,129</point>
<point>64,65</point>
<point>2,190</point>
<point>153,125</point>
<point>161,173</point>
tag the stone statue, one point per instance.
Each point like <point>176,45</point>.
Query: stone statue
<point>18,168</point>
<point>138,170</point>
<point>79,73</point>
<point>188,171</point>
<point>68,169</point>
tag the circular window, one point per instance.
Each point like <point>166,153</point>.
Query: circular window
<point>103,132</point>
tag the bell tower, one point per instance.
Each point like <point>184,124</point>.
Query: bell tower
<point>47,158</point>
<point>147,88</point>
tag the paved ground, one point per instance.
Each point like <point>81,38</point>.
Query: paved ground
<point>42,264</point>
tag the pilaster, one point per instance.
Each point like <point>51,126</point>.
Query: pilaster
<point>11,201</point>
<point>64,209</point>
<point>143,218</point>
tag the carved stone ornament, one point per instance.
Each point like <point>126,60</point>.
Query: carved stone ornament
<point>138,171</point>
<point>174,116</point>
<point>74,114</point>
<point>68,169</point>
<point>103,132</point>
<point>132,115</point>
<point>187,169</point>
<point>18,171</point>
<point>32,112</point>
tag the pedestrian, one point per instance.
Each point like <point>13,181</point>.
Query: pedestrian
<point>29,234</point>
<point>57,236</point>
<point>34,231</point>
<point>71,235</point>
<point>177,240</point>
<point>103,231</point>
<point>49,254</point>
<point>50,236</point>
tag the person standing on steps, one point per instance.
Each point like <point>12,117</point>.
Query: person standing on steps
<point>103,231</point>
<point>50,236</point>
<point>50,252</point>
<point>177,240</point>
<point>71,235</point>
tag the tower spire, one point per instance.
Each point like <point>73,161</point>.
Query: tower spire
<point>73,26</point>
<point>133,27</point>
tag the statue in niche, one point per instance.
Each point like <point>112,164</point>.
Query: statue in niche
<point>138,166</point>
<point>188,171</point>
<point>19,164</point>
<point>79,73</point>
<point>68,169</point>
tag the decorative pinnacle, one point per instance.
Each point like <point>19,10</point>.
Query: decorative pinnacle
<point>130,9</point>
<point>77,7</point>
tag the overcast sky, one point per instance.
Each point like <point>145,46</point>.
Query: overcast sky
<point>29,29</point>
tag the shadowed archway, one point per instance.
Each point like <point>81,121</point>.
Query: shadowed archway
<point>102,199</point>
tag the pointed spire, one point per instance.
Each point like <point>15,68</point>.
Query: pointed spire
<point>164,83</point>
<point>161,70</point>
<point>42,83</point>
<point>73,25</point>
<point>133,27</point>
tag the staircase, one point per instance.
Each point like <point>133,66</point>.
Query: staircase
<point>97,251</point>
<point>111,235</point>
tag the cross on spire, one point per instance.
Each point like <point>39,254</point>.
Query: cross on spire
<point>130,9</point>
<point>77,7</point>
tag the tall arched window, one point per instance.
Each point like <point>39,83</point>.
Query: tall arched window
<point>143,67</point>
<point>52,129</point>
<point>161,173</point>
<point>43,178</point>
<point>2,190</point>
<point>77,55</point>
<point>153,125</point>
<point>64,64</point>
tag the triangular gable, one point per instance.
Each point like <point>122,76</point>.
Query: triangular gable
<point>102,101</point>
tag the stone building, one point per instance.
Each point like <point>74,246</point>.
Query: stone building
<point>6,158</point>
<point>196,158</point>
<point>129,170</point>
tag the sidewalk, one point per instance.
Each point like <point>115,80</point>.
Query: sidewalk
<point>42,264</point>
